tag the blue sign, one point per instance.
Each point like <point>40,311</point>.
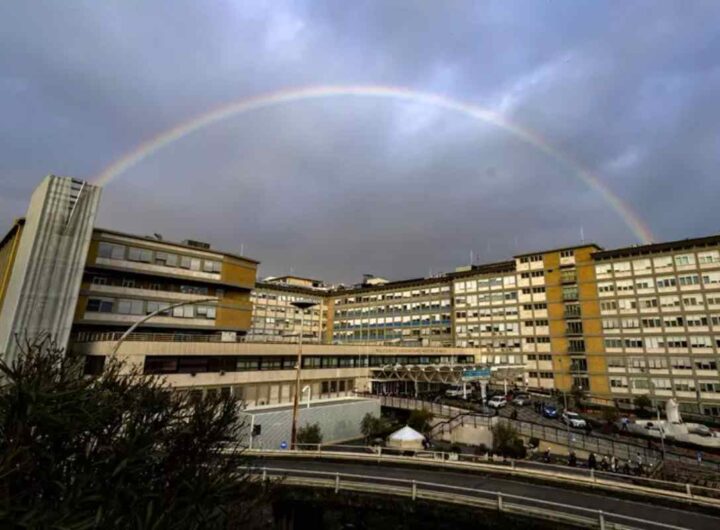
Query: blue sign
<point>283,445</point>
<point>483,373</point>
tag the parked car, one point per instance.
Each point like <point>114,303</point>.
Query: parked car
<point>573,419</point>
<point>497,402</point>
<point>521,400</point>
<point>454,391</point>
<point>550,411</point>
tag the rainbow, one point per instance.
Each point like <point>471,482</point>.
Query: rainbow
<point>291,95</point>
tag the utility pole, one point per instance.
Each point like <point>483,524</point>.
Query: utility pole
<point>302,306</point>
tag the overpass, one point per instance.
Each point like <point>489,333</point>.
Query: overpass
<point>551,493</point>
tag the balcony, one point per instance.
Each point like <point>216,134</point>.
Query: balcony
<point>572,311</point>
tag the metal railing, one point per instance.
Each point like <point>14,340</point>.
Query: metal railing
<point>600,444</point>
<point>497,500</point>
<point>574,476</point>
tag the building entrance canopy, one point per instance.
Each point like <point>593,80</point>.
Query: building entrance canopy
<point>446,374</point>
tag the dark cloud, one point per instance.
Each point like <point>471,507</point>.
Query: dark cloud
<point>338,187</point>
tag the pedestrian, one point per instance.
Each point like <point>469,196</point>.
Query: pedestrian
<point>614,464</point>
<point>546,455</point>
<point>604,464</point>
<point>592,461</point>
<point>626,467</point>
<point>572,461</point>
<point>625,422</point>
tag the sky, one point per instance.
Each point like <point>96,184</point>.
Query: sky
<point>334,188</point>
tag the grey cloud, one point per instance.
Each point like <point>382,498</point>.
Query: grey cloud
<point>339,187</point>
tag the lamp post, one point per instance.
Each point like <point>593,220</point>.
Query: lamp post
<point>302,306</point>
<point>154,313</point>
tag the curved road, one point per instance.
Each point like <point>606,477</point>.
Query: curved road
<point>583,498</point>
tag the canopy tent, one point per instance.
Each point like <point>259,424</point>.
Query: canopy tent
<point>406,438</point>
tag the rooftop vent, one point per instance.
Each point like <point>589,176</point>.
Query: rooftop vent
<point>196,244</point>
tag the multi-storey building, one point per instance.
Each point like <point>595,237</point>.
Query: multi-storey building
<point>615,323</point>
<point>276,319</point>
<point>412,312</point>
<point>660,321</point>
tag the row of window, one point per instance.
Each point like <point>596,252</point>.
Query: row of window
<point>191,364</point>
<point>677,385</point>
<point>539,357</point>
<point>395,295</point>
<point>682,342</point>
<point>533,274</point>
<point>165,259</point>
<point>664,302</point>
<point>122,306</point>
<point>394,309</point>
<point>541,375</point>
<point>662,282</point>
<point>645,265</point>
<point>691,321</point>
<point>676,363</point>
<point>532,259</point>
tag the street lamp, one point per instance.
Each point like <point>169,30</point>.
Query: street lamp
<point>302,306</point>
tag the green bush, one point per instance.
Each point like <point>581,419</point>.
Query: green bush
<point>310,434</point>
<point>420,420</point>
<point>506,441</point>
<point>119,450</point>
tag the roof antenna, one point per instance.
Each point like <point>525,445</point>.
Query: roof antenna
<point>471,257</point>
<point>582,235</point>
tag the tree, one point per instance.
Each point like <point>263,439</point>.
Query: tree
<point>420,420</point>
<point>374,426</point>
<point>506,441</point>
<point>309,434</point>
<point>642,402</point>
<point>119,450</point>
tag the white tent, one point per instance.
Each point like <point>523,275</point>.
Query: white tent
<point>406,438</point>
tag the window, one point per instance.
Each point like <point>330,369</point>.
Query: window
<point>618,382</point>
<point>684,259</point>
<point>211,266</point>
<point>128,282</point>
<point>616,362</point>
<point>151,307</point>
<point>576,346</point>
<point>690,279</point>
<point>100,305</point>
<point>657,362</point>
<point>570,292</point>
<point>709,387</point>
<point>705,364</point>
<point>130,307</point>
<point>608,306</point>
<point>111,251</point>
<point>139,254</point>
<point>166,259</point>
<point>666,282</point>
<point>705,258</point>
<point>613,343</point>
<point>680,363</point>
<point>99,280</point>
<point>566,254</point>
